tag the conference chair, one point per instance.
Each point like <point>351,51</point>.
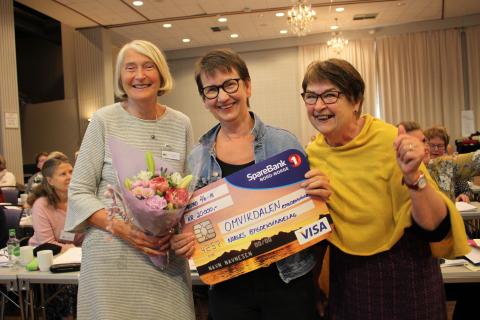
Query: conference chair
<point>10,194</point>
<point>12,216</point>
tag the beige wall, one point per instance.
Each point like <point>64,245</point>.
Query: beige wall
<point>10,135</point>
<point>275,90</point>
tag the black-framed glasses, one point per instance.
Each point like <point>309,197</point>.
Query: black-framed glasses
<point>229,86</point>
<point>440,146</point>
<point>327,97</point>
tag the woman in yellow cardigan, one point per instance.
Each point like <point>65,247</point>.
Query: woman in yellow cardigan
<point>390,218</point>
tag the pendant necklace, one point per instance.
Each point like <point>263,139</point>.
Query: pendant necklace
<point>154,120</point>
<point>152,136</point>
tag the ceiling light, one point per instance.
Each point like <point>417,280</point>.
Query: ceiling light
<point>300,17</point>
<point>137,3</point>
<point>222,19</point>
<point>167,25</point>
<point>283,31</point>
<point>234,35</point>
<point>186,40</point>
<point>339,9</point>
<point>279,14</point>
<point>337,43</point>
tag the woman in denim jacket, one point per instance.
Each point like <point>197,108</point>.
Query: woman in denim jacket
<point>284,290</point>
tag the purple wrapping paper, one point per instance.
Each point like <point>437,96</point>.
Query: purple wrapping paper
<point>128,162</point>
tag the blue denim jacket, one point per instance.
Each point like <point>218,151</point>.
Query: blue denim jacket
<point>269,141</point>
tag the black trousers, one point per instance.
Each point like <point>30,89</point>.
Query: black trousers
<point>466,295</point>
<point>262,295</point>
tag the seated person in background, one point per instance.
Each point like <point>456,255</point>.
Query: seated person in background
<point>7,179</point>
<point>36,178</point>
<point>49,204</point>
<point>437,141</point>
<point>447,171</point>
<point>438,145</point>
<point>49,209</point>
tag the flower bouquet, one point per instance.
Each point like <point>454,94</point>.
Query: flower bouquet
<point>152,198</point>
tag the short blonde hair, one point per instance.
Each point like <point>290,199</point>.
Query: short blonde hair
<point>151,51</point>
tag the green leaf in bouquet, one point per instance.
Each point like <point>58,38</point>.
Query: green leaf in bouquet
<point>127,183</point>
<point>185,181</point>
<point>150,162</point>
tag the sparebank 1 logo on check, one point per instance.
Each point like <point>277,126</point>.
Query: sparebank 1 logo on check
<point>294,159</point>
<point>313,231</point>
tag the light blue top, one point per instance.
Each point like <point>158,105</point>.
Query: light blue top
<point>269,141</point>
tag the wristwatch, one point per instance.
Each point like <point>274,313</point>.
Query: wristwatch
<point>420,184</point>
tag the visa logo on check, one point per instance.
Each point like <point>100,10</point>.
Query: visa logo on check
<point>313,231</point>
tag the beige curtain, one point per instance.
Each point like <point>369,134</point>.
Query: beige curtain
<point>420,78</point>
<point>360,53</point>
<point>473,52</point>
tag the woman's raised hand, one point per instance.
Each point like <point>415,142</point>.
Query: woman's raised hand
<point>410,153</point>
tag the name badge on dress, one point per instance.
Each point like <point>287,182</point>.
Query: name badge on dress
<point>67,236</point>
<point>171,155</point>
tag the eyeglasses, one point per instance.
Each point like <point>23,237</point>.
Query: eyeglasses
<point>327,97</point>
<point>229,86</point>
<point>436,146</point>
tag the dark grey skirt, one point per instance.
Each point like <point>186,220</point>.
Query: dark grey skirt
<point>402,283</point>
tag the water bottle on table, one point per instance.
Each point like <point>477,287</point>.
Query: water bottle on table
<point>13,248</point>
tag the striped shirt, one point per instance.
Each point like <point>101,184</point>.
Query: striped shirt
<point>116,280</point>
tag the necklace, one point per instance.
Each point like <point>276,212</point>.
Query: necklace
<point>152,136</point>
<point>137,115</point>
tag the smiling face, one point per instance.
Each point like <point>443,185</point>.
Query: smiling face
<point>227,107</point>
<point>140,77</point>
<point>60,179</point>
<point>333,120</point>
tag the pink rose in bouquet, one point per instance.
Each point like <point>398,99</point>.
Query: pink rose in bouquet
<point>159,184</point>
<point>154,199</point>
<point>178,197</point>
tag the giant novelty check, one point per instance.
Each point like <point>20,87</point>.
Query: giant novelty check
<point>254,217</point>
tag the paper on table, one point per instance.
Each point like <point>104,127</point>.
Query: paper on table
<point>471,267</point>
<point>4,262</point>
<point>474,256</point>
<point>453,262</point>
<point>463,206</point>
<point>72,255</point>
